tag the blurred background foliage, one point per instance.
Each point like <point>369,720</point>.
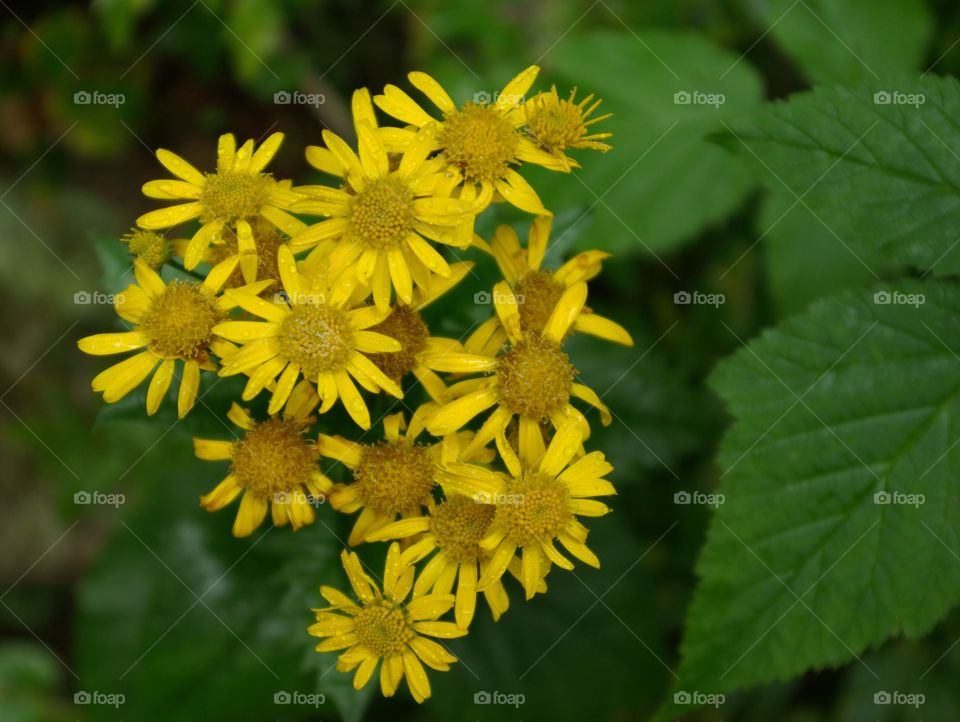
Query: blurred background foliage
<point>155,600</point>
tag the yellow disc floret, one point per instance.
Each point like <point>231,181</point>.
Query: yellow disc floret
<point>381,215</point>
<point>536,508</point>
<point>459,523</point>
<point>406,326</point>
<point>316,337</point>
<point>231,195</point>
<point>180,321</point>
<point>273,458</point>
<point>537,294</point>
<point>149,246</point>
<point>480,141</point>
<point>268,241</point>
<point>535,378</point>
<point>382,628</point>
<point>394,478</point>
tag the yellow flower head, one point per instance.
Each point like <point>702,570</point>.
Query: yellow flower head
<point>556,124</point>
<point>149,246</point>
<point>538,291</point>
<point>311,332</point>
<point>234,195</point>
<point>482,140</point>
<point>272,465</point>
<point>385,626</point>
<point>386,212</point>
<point>532,379</point>
<point>172,322</point>
<point>535,505</point>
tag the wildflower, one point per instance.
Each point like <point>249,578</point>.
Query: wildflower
<point>557,124</point>
<point>149,246</point>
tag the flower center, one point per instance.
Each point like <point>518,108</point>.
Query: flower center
<point>381,214</point>
<point>535,378</point>
<point>459,523</point>
<point>555,122</point>
<point>180,321</point>
<point>537,295</point>
<point>406,326</point>
<point>480,141</point>
<point>229,195</point>
<point>149,246</point>
<point>273,458</point>
<point>316,337</point>
<point>534,509</point>
<point>394,478</point>
<point>382,628</point>
<point>268,241</point>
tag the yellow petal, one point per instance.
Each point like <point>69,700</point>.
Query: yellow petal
<point>188,388</point>
<point>159,385</point>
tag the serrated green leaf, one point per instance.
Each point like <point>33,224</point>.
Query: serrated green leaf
<point>804,567</point>
<point>882,176</point>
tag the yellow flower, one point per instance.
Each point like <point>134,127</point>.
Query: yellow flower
<point>453,528</point>
<point>313,333</point>
<point>537,291</point>
<point>536,504</point>
<point>149,246</point>
<point>392,478</point>
<point>481,140</point>
<point>273,466</point>
<point>233,196</point>
<point>384,626</point>
<point>557,124</point>
<point>406,325</point>
<point>385,214</point>
<point>532,379</point>
<point>172,322</point>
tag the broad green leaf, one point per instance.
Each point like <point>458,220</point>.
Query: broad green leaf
<point>840,523</point>
<point>836,42</point>
<point>662,183</point>
<point>875,163</point>
<point>142,632</point>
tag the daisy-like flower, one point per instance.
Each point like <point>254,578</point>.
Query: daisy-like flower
<point>232,196</point>
<point>406,325</point>
<point>172,322</point>
<point>386,214</point>
<point>314,333</point>
<point>272,465</point>
<point>392,478</point>
<point>533,379</point>
<point>149,246</point>
<point>538,291</point>
<point>386,627</point>
<point>483,141</point>
<point>535,505</point>
<point>557,124</point>
<point>454,529</point>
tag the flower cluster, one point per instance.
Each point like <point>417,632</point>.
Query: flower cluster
<point>489,475</point>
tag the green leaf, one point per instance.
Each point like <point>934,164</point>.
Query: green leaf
<point>804,567</point>
<point>142,632</point>
<point>836,42</point>
<point>662,183</point>
<point>881,177</point>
